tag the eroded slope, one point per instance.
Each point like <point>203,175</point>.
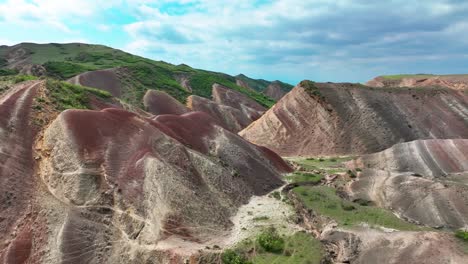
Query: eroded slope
<point>336,119</point>
<point>424,181</point>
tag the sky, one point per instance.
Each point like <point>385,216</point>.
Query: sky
<point>289,40</point>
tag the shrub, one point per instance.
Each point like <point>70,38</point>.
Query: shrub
<point>261,218</point>
<point>231,257</point>
<point>23,78</point>
<point>6,72</point>
<point>463,235</point>
<point>276,195</point>
<point>270,241</point>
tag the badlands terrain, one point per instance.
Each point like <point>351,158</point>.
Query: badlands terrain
<point>106,157</point>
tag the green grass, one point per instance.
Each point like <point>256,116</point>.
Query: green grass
<point>202,82</point>
<point>64,70</point>
<point>325,201</point>
<point>68,96</point>
<point>261,218</point>
<point>303,177</point>
<point>401,76</point>
<point>463,235</point>
<point>299,248</point>
<point>22,78</point>
<point>6,72</point>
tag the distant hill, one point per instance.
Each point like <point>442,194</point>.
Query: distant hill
<point>135,74</point>
<point>261,85</point>
<point>452,81</point>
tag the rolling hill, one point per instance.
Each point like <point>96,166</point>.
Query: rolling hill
<point>133,75</point>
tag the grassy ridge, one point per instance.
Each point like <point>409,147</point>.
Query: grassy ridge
<point>68,96</point>
<point>63,61</point>
<point>401,76</point>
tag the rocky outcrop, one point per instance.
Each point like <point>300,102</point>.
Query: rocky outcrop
<point>457,82</point>
<point>225,96</point>
<point>107,80</point>
<point>160,103</point>
<point>336,119</point>
<point>274,91</point>
<point>424,181</point>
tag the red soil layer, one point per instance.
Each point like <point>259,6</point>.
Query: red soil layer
<point>160,103</point>
<point>230,118</point>
<point>106,80</point>
<point>353,119</point>
<point>199,131</point>
<point>17,181</point>
<point>225,96</point>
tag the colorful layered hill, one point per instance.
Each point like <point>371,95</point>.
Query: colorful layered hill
<point>231,109</point>
<point>124,75</point>
<point>339,119</point>
<point>424,181</point>
<point>454,81</point>
<point>100,184</point>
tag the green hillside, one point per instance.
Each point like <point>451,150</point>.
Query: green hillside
<point>63,61</point>
<point>260,85</point>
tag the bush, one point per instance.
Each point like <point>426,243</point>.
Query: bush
<point>23,78</point>
<point>276,195</point>
<point>463,235</point>
<point>270,241</point>
<point>6,72</point>
<point>231,257</point>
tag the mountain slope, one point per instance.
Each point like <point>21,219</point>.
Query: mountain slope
<point>336,119</point>
<point>135,74</point>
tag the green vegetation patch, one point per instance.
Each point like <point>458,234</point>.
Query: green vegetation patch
<point>68,96</point>
<point>304,177</point>
<point>463,235</point>
<point>270,247</point>
<point>311,89</point>
<point>64,70</point>
<point>325,201</point>
<point>7,72</point>
<point>202,83</point>
<point>401,76</point>
<point>329,165</point>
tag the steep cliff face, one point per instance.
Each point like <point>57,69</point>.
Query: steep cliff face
<point>112,186</point>
<point>457,82</point>
<point>335,119</point>
<point>425,181</point>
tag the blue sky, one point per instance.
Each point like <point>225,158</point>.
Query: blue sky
<point>289,40</point>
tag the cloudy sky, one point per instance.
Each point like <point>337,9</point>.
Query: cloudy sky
<point>290,40</point>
